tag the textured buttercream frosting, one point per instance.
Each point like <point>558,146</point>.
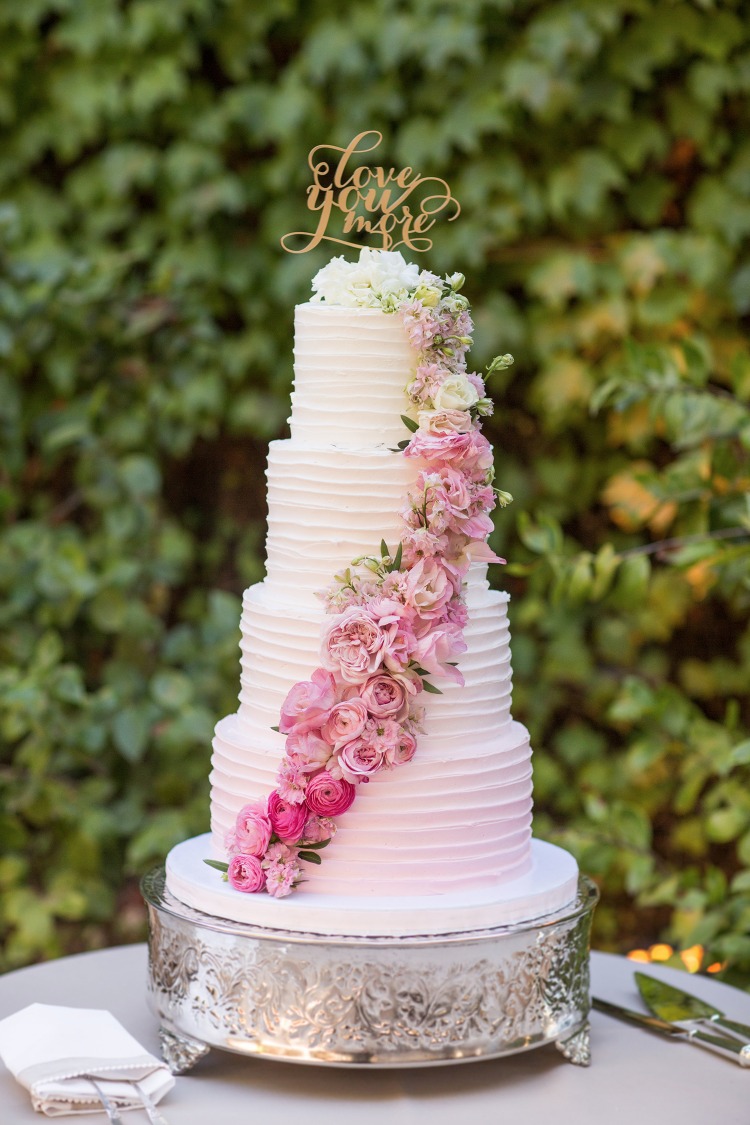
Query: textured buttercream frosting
<point>456,820</point>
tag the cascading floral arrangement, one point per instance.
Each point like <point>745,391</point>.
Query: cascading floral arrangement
<point>397,617</point>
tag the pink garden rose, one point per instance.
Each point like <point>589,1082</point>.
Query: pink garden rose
<point>246,874</point>
<point>252,830</point>
<point>438,649</point>
<point>395,619</point>
<point>403,751</point>
<point>287,819</point>
<point>308,702</point>
<point>445,421</point>
<point>430,588</point>
<point>327,796</point>
<point>385,696</point>
<point>361,758</point>
<point>351,645</point>
<point>308,751</point>
<point>345,721</point>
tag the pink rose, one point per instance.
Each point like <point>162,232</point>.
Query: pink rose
<point>438,649</point>
<point>252,830</point>
<point>445,421</point>
<point>246,874</point>
<point>361,758</point>
<point>308,751</point>
<point>403,751</point>
<point>329,797</point>
<point>385,696</point>
<point>441,447</point>
<point>430,588</point>
<point>308,703</point>
<point>345,721</point>
<point>287,819</point>
<point>351,645</point>
<point>395,621</point>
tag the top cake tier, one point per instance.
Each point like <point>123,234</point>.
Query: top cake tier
<point>351,367</point>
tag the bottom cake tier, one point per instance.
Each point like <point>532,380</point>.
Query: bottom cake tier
<point>548,886</point>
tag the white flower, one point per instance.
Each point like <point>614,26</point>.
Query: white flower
<point>455,393</point>
<point>379,278</point>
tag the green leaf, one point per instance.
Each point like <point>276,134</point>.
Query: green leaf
<point>384,552</point>
<point>310,857</point>
<point>396,564</point>
<point>317,846</point>
<point>410,424</point>
<point>217,864</point>
<point>431,688</point>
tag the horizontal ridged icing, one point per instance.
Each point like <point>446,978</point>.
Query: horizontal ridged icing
<point>459,815</point>
<point>350,370</point>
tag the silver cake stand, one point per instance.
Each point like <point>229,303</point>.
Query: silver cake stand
<point>367,1002</point>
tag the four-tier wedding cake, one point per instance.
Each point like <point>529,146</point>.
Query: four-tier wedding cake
<point>373,781</point>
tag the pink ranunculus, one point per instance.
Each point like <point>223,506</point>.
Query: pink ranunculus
<point>287,819</point>
<point>308,702</point>
<point>329,797</point>
<point>438,649</point>
<point>385,696</point>
<point>352,644</point>
<point>360,759</point>
<point>345,721</point>
<point>429,588</point>
<point>246,874</point>
<point>403,751</point>
<point>252,830</point>
<point>308,751</point>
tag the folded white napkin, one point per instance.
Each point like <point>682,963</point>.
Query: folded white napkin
<point>55,1052</point>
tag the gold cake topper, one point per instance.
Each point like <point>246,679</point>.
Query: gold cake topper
<point>398,207</point>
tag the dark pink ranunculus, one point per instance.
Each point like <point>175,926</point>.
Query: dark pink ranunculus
<point>246,874</point>
<point>326,796</point>
<point>308,702</point>
<point>252,830</point>
<point>385,696</point>
<point>287,819</point>
<point>345,721</point>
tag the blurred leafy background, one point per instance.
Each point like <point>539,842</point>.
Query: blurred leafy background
<point>152,155</point>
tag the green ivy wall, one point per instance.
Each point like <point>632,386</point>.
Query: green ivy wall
<point>152,154</point>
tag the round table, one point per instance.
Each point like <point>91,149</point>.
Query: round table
<point>635,1077</point>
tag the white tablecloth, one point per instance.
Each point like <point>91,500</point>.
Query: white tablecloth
<point>635,1078</point>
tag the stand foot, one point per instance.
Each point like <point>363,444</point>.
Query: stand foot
<point>179,1052</point>
<point>576,1049</point>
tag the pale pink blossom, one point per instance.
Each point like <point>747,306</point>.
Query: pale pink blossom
<point>291,780</point>
<point>317,829</point>
<point>308,702</point>
<point>281,877</point>
<point>445,421</point>
<point>246,874</point>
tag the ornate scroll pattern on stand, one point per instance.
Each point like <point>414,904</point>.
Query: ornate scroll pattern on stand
<point>368,1001</point>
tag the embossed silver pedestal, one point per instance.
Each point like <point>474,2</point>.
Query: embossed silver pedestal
<point>375,1002</point>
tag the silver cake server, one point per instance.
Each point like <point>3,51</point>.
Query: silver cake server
<point>678,1006</point>
<point>725,1045</point>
